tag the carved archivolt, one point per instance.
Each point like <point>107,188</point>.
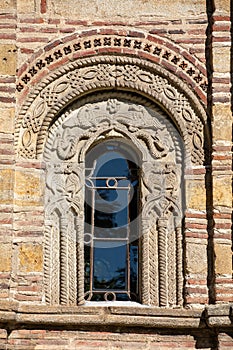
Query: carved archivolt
<point>110,72</point>
<point>160,146</point>
<point>138,42</point>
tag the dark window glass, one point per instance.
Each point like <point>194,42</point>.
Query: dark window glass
<point>111,227</point>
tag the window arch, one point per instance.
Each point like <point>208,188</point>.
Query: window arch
<point>80,130</point>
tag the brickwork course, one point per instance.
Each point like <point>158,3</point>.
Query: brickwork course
<point>188,43</point>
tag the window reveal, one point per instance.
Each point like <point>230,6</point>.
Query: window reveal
<point>111,241</point>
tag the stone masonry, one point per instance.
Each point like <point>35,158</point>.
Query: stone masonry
<point>170,58</point>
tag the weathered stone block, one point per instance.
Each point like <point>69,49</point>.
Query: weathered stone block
<point>196,194</point>
<point>223,261</point>
<point>196,258</point>
<point>7,120</point>
<point>8,5</point>
<point>222,111</point>
<point>120,8</point>
<point>222,130</point>
<point>28,188</point>
<point>6,186</point>
<point>8,56</point>
<point>222,191</point>
<point>221,59</point>
<point>5,257</point>
<point>25,6</point>
<point>31,257</point>
<point>223,6</point>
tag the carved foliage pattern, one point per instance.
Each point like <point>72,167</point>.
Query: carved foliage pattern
<point>69,139</point>
<point>103,75</point>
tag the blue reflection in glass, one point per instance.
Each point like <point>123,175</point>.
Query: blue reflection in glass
<point>111,197</point>
<point>109,265</point>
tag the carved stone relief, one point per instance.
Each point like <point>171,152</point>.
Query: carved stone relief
<point>109,116</point>
<point>99,73</point>
<point>176,56</point>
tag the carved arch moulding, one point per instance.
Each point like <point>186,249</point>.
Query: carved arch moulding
<point>127,41</point>
<point>114,73</point>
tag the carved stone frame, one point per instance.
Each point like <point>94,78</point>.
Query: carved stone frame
<point>75,80</point>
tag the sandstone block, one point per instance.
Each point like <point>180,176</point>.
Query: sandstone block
<point>25,6</point>
<point>31,257</point>
<point>222,130</point>
<point>223,259</point>
<point>28,188</point>
<point>223,6</point>
<point>6,186</point>
<point>222,111</point>
<point>8,5</point>
<point>221,59</point>
<point>222,191</point>
<point>8,56</point>
<point>7,120</point>
<point>5,257</point>
<point>196,258</point>
<point>115,9</point>
<point>196,194</point>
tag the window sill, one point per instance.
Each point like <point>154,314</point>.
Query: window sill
<point>121,304</point>
<point>111,315</point>
<point>14,314</point>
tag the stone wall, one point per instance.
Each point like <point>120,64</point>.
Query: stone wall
<point>191,44</point>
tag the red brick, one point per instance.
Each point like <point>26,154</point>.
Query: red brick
<point>136,34</point>
<point>155,40</point>
<point>8,36</point>
<point>69,38</point>
<point>32,20</point>
<point>58,63</point>
<point>33,39</point>
<point>52,45</point>
<point>88,33</point>
<point>196,234</point>
<point>67,30</point>
<point>54,21</point>
<point>7,99</point>
<point>76,22</point>
<point>221,18</point>
<point>43,6</point>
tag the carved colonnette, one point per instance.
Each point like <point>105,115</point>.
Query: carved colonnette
<point>100,118</point>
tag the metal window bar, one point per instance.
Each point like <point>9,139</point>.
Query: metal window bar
<point>111,183</point>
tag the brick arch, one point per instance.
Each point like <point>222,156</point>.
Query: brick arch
<point>137,43</point>
<point>110,72</point>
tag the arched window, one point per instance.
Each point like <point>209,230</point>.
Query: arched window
<point>114,205</point>
<point>111,235</point>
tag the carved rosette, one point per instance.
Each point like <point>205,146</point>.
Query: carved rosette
<point>160,147</point>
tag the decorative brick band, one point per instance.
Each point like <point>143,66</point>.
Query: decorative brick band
<point>108,41</point>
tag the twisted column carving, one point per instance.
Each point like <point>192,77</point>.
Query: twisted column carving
<point>47,260</point>
<point>64,261</point>
<point>162,245</point>
<point>72,277</point>
<point>153,266</point>
<point>179,262</point>
<point>80,262</point>
<point>145,262</point>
